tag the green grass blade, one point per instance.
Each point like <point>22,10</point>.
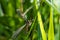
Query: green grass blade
<point>51,28</point>
<point>41,26</point>
<point>40,22</point>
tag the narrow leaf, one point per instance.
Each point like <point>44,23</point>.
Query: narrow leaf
<point>41,26</point>
<point>51,28</point>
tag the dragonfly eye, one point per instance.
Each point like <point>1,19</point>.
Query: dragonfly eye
<point>21,14</point>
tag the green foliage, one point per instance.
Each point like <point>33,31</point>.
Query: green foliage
<point>42,19</point>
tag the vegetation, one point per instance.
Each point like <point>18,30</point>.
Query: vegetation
<point>29,19</point>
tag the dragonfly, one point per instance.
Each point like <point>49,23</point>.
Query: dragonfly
<point>27,24</point>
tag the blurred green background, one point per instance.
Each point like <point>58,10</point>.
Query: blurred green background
<point>44,16</point>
